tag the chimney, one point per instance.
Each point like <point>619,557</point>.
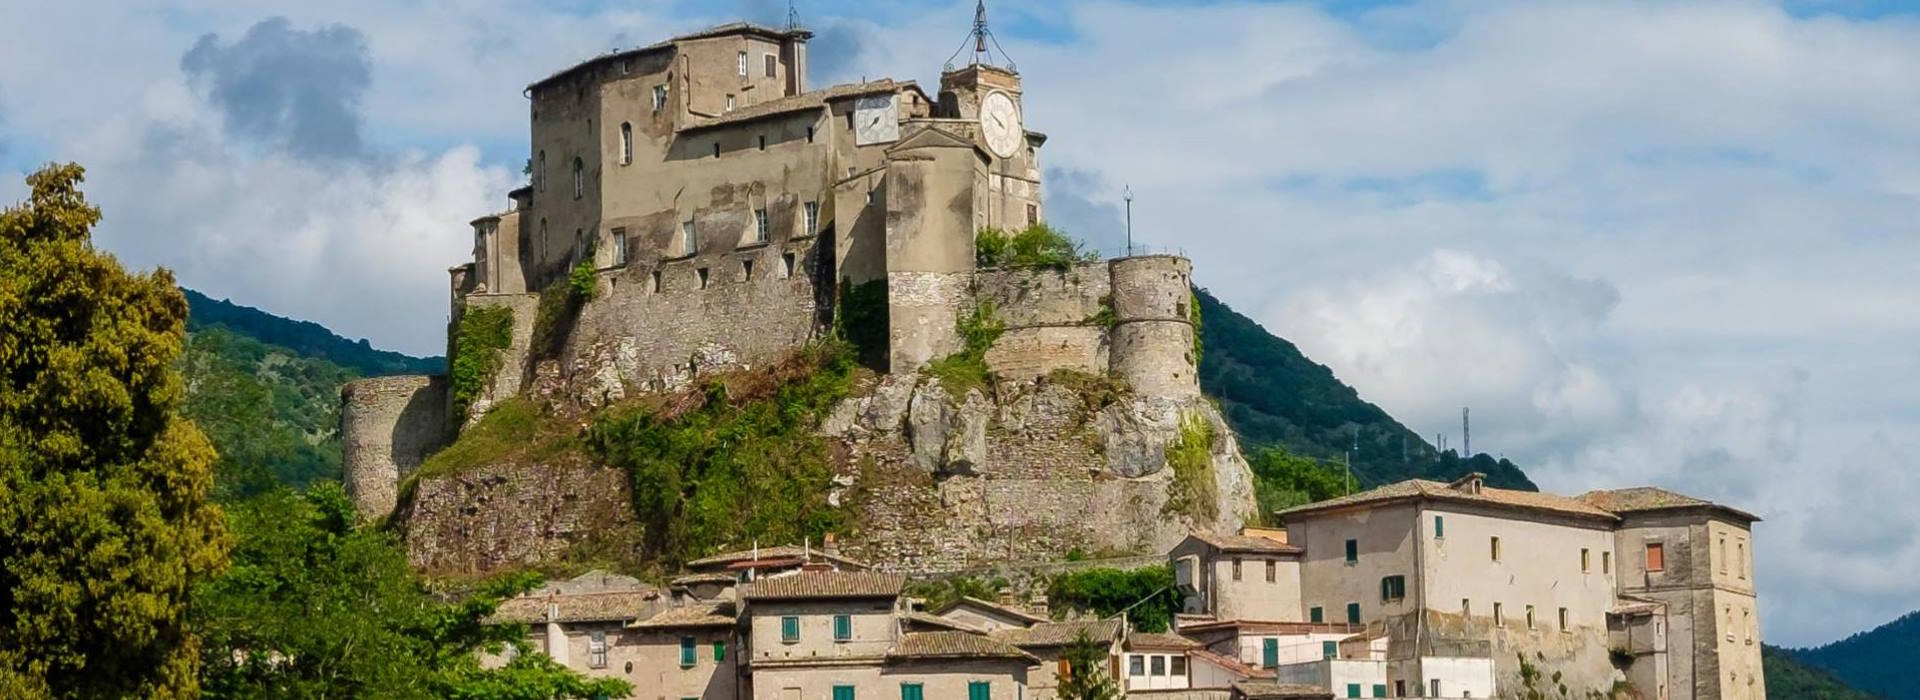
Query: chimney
<point>1038,606</point>
<point>1006,598</point>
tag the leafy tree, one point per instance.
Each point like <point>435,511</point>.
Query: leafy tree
<point>1146,595</point>
<point>105,514</point>
<point>272,415</point>
<point>1282,480</point>
<point>1085,680</point>
<point>1037,245</point>
<point>315,607</point>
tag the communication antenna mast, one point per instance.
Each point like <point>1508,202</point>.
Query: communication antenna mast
<point>1129,197</point>
<point>982,38</point>
<point>1466,434</point>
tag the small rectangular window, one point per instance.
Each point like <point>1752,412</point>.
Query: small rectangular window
<point>689,242</point>
<point>597,649</point>
<point>812,218</point>
<point>1273,570</point>
<point>1585,561</point>
<point>729,103</point>
<point>1393,588</point>
<point>1158,664</point>
<point>716,148</point>
<point>763,142</point>
<point>843,692</point>
<point>1353,690</point>
<point>702,275</point>
<point>786,266</point>
<point>1439,528</point>
<point>1316,614</point>
<point>1433,690</point>
<point>687,654</point>
<point>1656,557</point>
<point>1380,689</point>
<point>1136,665</point>
<point>626,66</point>
<point>1353,551</point>
<point>659,97</point>
<point>619,246</point>
<point>1178,665</point>
<point>1033,214</point>
<point>1236,569</point>
<point>1466,607</point>
<point>1606,562</point>
<point>1329,650</point>
<point>719,650</point>
<point>743,64</point>
<point>1563,620</point>
<point>746,270</point>
<point>912,691</point>
<point>809,134</point>
<point>1741,565</point>
<point>1495,546</point>
<point>1353,613</point>
<point>772,64</point>
<point>656,282</point>
<point>842,628</point>
<point>1269,652</point>
<point>1499,615</point>
<point>759,225</point>
<point>1529,617</point>
<point>790,629</point>
<point>979,690</point>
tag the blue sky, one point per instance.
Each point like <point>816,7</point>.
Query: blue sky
<point>1648,242</point>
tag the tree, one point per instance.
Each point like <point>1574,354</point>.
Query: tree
<point>1085,680</point>
<point>105,517</point>
<point>315,607</point>
<point>1282,480</point>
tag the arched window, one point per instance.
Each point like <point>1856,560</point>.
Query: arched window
<point>579,178</point>
<point>626,143</point>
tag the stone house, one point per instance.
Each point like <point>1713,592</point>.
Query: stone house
<point>1239,577</point>
<point>1047,642</point>
<point>582,622</point>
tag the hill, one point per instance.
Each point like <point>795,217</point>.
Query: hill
<point>1875,660</point>
<point>303,338</point>
<point>1274,396</point>
<point>1788,678</point>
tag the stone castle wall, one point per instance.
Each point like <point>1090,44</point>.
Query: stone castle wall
<point>1051,319</point>
<point>389,425</point>
<point>511,378</point>
<point>1153,331</point>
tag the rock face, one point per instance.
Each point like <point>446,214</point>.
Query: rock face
<point>511,516</point>
<point>1042,469</point>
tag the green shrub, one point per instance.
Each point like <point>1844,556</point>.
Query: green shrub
<point>862,320</point>
<point>1193,314</point>
<point>1105,317</point>
<point>1038,245</point>
<point>482,333</point>
<point>560,304</point>
<point>514,431</point>
<point>1147,595</point>
<point>967,369</point>
<point>737,463</point>
<point>1191,457</point>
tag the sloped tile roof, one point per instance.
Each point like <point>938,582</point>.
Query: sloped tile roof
<point>1159,640</point>
<point>799,103</point>
<point>1243,543</point>
<point>1012,612</point>
<point>1422,489</point>
<point>697,579</point>
<point>1057,634</point>
<point>1232,665</point>
<point>1269,690</point>
<point>812,585</point>
<point>1641,499</point>
<point>919,620</point>
<point>702,615</point>
<point>955,645</point>
<point>576,607</point>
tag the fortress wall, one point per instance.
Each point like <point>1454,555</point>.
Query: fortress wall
<point>1153,338</point>
<point>388,426</point>
<point>511,378</point>
<point>922,308</point>
<point>1049,318</point>
<point>752,310</point>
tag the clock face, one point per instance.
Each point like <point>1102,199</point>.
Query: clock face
<point>875,120</point>
<point>1000,122</point>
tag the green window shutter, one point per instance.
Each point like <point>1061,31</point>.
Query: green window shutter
<point>1353,690</point>
<point>1353,613</point>
<point>842,627</point>
<point>719,650</point>
<point>1330,649</point>
<point>790,629</point>
<point>1439,527</point>
<point>687,656</point>
<point>1353,551</point>
<point>979,690</point>
<point>1380,690</point>
<point>1269,652</point>
<point>843,692</point>
<point>912,691</point>
<point>1316,614</point>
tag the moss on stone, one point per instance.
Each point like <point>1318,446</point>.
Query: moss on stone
<point>482,333</point>
<point>967,369</point>
<point>513,431</point>
<point>1193,492</point>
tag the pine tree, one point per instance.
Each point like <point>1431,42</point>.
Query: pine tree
<point>105,517</point>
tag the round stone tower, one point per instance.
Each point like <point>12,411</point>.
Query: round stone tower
<point>388,426</point>
<point>1152,343</point>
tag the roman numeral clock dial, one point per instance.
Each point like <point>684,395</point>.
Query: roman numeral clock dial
<point>1000,123</point>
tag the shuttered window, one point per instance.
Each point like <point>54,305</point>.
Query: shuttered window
<point>842,628</point>
<point>790,629</point>
<point>912,691</point>
<point>687,654</point>
<point>979,690</point>
<point>1656,557</point>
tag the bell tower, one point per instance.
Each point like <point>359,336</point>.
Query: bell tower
<point>963,87</point>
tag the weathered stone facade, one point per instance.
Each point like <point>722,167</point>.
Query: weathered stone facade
<point>514,516</point>
<point>388,426</point>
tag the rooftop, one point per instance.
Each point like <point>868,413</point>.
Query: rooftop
<point>1643,499</point>
<point>811,100</point>
<point>701,615</point>
<point>1467,490</point>
<point>1269,690</point>
<point>955,645</point>
<point>780,552</point>
<point>992,606</point>
<point>575,607</point>
<point>1245,543</point>
<point>1059,634</point>
<point>718,30</point>
<point>1159,640</point>
<point>817,585</point>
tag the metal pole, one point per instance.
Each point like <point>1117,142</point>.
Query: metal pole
<point>1129,197</point>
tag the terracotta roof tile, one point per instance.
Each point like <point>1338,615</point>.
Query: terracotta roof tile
<point>1421,489</point>
<point>1057,634</point>
<point>813,585</point>
<point>697,579</point>
<point>1159,640</point>
<point>919,620</point>
<point>1008,611</point>
<point>1232,665</point>
<point>576,607</point>
<point>1642,499</point>
<point>799,103</point>
<point>1243,543</point>
<point>955,645</point>
<point>1269,690</point>
<point>703,615</point>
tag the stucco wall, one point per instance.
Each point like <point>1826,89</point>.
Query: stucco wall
<point>1539,566</point>
<point>388,426</point>
<point>1385,538</point>
<point>873,629</point>
<point>1252,596</point>
<point>938,679</point>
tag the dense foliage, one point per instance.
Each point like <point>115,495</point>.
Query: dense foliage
<point>303,338</point>
<point>736,463</point>
<point>478,338</point>
<point>272,415</point>
<point>1789,678</point>
<point>861,320</point>
<point>315,607</point>
<point>1874,660</point>
<point>560,304</point>
<point>1086,677</point>
<point>967,368</point>
<point>1147,595</point>
<point>1037,245</point>
<point>1274,396</point>
<point>1282,480</point>
<point>106,518</point>
<point>1193,492</point>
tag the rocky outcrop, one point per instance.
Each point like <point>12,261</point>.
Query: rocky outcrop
<point>512,516</point>
<point>1040,469</point>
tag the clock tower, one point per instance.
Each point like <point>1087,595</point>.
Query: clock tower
<point>985,95</point>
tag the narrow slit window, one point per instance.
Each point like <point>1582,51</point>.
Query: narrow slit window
<point>812,218</point>
<point>1564,620</point>
<point>729,103</point>
<point>579,178</point>
<point>763,142</point>
<point>786,266</point>
<point>626,143</point>
<point>702,275</point>
<point>716,149</point>
<point>1273,569</point>
<point>659,97</point>
<point>743,64</point>
<point>619,246</point>
<point>1353,551</point>
<point>1585,561</point>
<point>746,270</point>
<point>772,65</point>
<point>1499,615</point>
<point>656,281</point>
<point>1606,562</point>
<point>1495,547</point>
<point>759,225</point>
<point>1529,617</point>
<point>1236,569</point>
<point>689,241</point>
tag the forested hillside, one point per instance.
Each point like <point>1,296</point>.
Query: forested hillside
<point>1876,660</point>
<point>1276,397</point>
<point>303,338</point>
<point>1788,678</point>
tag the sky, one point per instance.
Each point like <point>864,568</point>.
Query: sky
<point>1647,242</point>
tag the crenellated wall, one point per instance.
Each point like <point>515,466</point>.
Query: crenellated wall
<point>389,425</point>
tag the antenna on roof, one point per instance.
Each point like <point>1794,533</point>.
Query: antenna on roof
<point>793,17</point>
<point>981,36</point>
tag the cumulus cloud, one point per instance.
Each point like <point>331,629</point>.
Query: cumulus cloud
<point>293,89</point>
<point>1082,204</point>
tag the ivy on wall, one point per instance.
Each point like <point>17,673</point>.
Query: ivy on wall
<point>1191,457</point>
<point>862,320</point>
<point>482,333</point>
<point>560,304</point>
<point>967,369</point>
